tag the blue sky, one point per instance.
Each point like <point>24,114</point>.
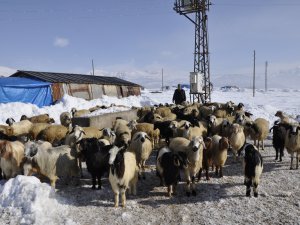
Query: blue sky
<point>135,39</point>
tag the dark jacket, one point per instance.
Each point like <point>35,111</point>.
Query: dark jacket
<point>179,96</point>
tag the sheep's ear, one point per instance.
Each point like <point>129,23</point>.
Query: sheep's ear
<point>176,161</point>
<point>148,137</point>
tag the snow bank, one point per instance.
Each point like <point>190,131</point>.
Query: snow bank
<point>25,200</point>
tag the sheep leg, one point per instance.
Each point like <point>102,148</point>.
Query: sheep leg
<point>80,167</point>
<point>99,182</point>
<point>217,171</point>
<point>221,171</point>
<point>174,188</point>
<point>170,190</point>
<point>123,197</point>
<point>188,182</point>
<point>255,185</point>
<point>116,199</point>
<point>281,154</point>
<point>292,158</point>
<point>206,173</point>
<point>143,170</point>
<point>263,145</point>
<point>277,151</point>
<point>93,181</point>
<point>199,174</point>
<point>297,160</point>
<point>193,186</point>
<point>248,187</point>
<point>52,182</point>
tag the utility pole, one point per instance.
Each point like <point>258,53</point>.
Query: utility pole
<point>93,67</point>
<point>162,79</point>
<point>266,77</point>
<point>254,75</point>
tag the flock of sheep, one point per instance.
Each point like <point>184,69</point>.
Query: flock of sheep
<point>189,138</point>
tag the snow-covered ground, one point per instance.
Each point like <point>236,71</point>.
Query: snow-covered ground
<point>25,200</point>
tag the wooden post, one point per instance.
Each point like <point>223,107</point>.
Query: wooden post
<point>254,75</point>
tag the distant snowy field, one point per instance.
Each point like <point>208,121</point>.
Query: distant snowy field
<point>25,200</point>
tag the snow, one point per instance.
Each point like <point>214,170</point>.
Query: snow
<point>25,200</point>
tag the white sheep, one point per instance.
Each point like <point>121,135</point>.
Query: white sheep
<point>214,125</point>
<point>109,135</point>
<point>122,173</point>
<point>220,146</point>
<point>194,151</point>
<point>20,128</point>
<point>12,154</point>
<point>123,133</point>
<point>189,131</point>
<point>36,129</point>
<point>237,138</point>
<point>6,130</point>
<point>52,162</point>
<point>65,119</point>
<point>258,130</point>
<point>42,118</point>
<point>80,112</point>
<point>142,147</point>
<point>55,134</point>
<point>292,143</point>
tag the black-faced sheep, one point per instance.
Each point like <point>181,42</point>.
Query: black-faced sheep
<point>142,147</point>
<point>253,167</point>
<point>168,166</point>
<point>194,151</point>
<point>123,173</point>
<point>52,162</point>
<point>12,154</point>
<point>189,131</point>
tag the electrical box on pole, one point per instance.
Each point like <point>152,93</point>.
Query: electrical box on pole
<point>201,53</point>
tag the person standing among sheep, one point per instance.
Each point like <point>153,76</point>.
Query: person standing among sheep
<point>179,95</point>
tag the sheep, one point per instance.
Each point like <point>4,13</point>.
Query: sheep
<point>103,142</point>
<point>205,111</point>
<point>279,132</point>
<point>194,151</point>
<point>283,118</point>
<point>123,133</point>
<point>163,111</point>
<point>142,147</point>
<point>65,119</point>
<point>241,118</point>
<point>258,130</point>
<point>164,130</point>
<point>292,143</point>
<point>154,135</point>
<point>12,154</point>
<point>253,167</point>
<point>20,128</point>
<point>207,158</point>
<point>189,131</point>
<point>109,135</point>
<point>168,166</point>
<point>220,146</point>
<point>96,157</point>
<point>6,137</point>
<point>177,128</point>
<point>214,125</point>
<point>55,134</point>
<point>149,129</point>
<point>8,130</point>
<point>36,129</point>
<point>52,162</point>
<point>42,118</point>
<point>237,138</point>
<point>79,113</point>
<point>122,173</point>
<point>226,128</point>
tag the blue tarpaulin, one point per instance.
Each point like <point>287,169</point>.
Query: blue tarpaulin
<point>15,89</point>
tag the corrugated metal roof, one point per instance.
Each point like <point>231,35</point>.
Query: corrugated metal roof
<point>72,78</point>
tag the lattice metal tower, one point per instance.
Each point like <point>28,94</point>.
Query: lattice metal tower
<point>201,53</point>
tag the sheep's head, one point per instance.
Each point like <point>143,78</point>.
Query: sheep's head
<point>186,125</point>
<point>294,130</point>
<point>212,120</point>
<point>240,118</point>
<point>173,125</point>
<point>279,114</point>
<point>24,117</point>
<point>10,121</point>
<point>223,144</point>
<point>78,133</point>
<point>141,137</point>
<point>180,160</point>
<point>196,143</point>
<point>236,128</point>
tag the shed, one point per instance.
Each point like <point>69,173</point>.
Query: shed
<point>15,89</point>
<point>83,86</point>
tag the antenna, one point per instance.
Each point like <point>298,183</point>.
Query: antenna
<point>201,54</point>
